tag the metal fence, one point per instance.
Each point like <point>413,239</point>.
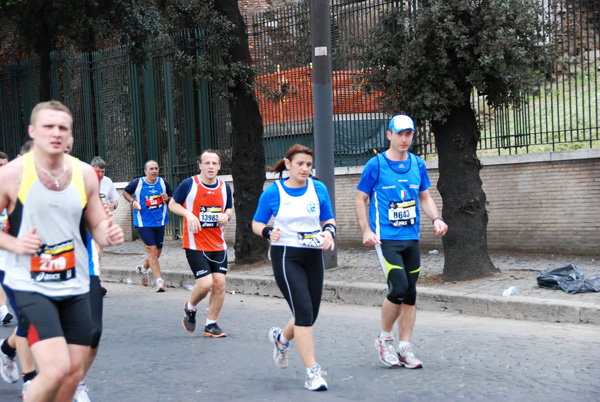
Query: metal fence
<point>280,40</point>
<point>128,113</point>
<point>123,112</point>
<point>561,116</point>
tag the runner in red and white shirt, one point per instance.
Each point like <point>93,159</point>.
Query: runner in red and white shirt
<point>205,203</point>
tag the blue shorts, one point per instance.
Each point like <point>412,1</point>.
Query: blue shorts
<point>95,310</point>
<point>152,236</point>
<point>13,304</point>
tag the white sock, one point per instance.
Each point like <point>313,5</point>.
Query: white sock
<point>402,344</point>
<point>3,311</point>
<point>310,369</point>
<point>144,270</point>
<point>385,335</point>
<point>282,339</point>
<point>209,321</point>
<point>190,306</point>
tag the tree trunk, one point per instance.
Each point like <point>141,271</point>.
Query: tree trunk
<point>248,155</point>
<point>465,243</point>
<point>44,47</point>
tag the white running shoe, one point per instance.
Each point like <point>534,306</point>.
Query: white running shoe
<point>160,285</point>
<point>81,394</point>
<point>8,367</point>
<point>280,351</point>
<point>26,385</point>
<point>387,354</point>
<point>314,379</point>
<point>407,358</point>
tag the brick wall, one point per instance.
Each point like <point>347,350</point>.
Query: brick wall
<point>548,204</point>
<point>537,203</point>
<point>123,215</point>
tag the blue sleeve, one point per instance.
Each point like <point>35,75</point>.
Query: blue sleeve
<point>169,189</point>
<point>324,200</point>
<point>183,190</point>
<point>229,197</point>
<point>268,204</point>
<point>369,176</point>
<point>130,188</point>
<point>425,182</point>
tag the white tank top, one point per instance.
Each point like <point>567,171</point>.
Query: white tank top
<point>298,218</point>
<point>61,266</point>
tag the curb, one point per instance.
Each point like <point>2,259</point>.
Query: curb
<point>429,299</point>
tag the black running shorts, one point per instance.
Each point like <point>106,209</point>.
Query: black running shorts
<point>203,263</point>
<point>45,317</point>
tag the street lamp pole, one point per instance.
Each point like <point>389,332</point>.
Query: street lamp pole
<point>320,36</point>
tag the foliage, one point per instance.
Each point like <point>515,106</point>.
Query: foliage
<point>42,24</point>
<point>8,3</point>
<point>212,64</point>
<point>427,60</point>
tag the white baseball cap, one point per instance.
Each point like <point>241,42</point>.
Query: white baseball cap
<point>401,122</point>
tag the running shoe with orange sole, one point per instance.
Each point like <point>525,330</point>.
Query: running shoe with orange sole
<point>214,331</point>
<point>144,276</point>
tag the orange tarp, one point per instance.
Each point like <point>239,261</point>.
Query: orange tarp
<point>286,96</point>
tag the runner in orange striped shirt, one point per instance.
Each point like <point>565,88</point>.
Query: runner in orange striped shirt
<point>205,203</point>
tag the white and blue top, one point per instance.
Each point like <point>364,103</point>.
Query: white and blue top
<point>394,188</point>
<point>298,212</point>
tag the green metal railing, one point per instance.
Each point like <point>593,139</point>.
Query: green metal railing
<point>562,116</point>
<point>128,113</point>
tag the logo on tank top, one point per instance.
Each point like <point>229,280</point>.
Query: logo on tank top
<point>311,208</point>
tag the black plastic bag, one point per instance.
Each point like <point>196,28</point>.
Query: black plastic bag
<point>569,278</point>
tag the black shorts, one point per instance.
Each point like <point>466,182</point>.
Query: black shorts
<point>45,317</point>
<point>203,263</point>
<point>95,310</point>
<point>401,270</point>
<point>152,236</point>
<point>299,273</point>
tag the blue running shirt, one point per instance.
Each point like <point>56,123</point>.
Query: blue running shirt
<point>394,187</point>
<point>153,211</point>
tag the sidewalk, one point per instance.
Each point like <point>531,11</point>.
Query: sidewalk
<point>358,280</point>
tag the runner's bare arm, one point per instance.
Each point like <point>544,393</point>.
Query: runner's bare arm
<point>10,177</point>
<point>329,242</point>
<point>257,228</point>
<point>131,199</point>
<point>369,238</point>
<point>165,197</point>
<point>192,220</point>
<point>430,209</point>
<point>101,227</point>
<point>225,217</point>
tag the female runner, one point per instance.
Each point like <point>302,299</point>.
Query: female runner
<point>303,227</point>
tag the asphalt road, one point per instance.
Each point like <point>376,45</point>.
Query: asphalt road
<point>145,355</point>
